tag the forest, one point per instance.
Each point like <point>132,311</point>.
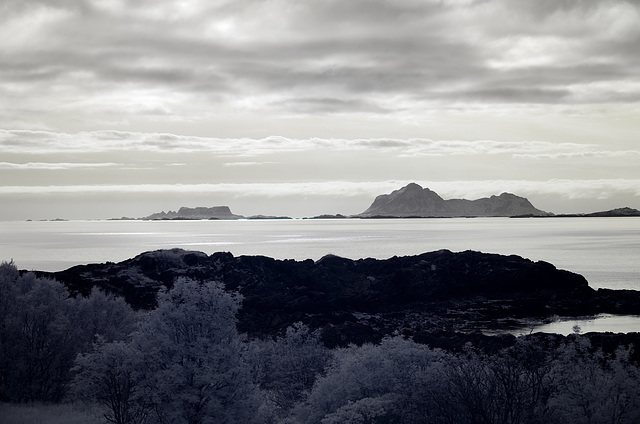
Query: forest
<point>185,361</point>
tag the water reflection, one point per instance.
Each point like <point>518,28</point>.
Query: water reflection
<point>599,323</point>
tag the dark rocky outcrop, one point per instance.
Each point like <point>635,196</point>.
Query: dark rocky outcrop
<point>363,300</point>
<point>415,201</point>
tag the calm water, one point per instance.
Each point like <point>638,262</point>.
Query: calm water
<point>605,250</point>
<point>598,324</point>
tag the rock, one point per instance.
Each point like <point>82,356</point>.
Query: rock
<point>434,290</point>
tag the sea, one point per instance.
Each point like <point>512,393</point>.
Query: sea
<point>605,250</point>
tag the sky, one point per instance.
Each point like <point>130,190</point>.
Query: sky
<point>113,108</point>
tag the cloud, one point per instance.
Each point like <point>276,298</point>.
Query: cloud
<point>580,155</point>
<point>330,188</point>
<point>22,141</point>
<point>331,105</point>
<point>25,141</point>
<point>183,59</point>
<point>486,147</point>
<point>55,166</point>
<point>467,189</point>
<point>243,164</point>
<point>565,188</point>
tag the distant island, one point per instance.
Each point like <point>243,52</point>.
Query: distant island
<point>415,201</point>
<point>609,213</point>
<point>410,201</point>
<point>215,212</point>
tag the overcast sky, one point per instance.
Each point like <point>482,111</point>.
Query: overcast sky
<point>115,108</point>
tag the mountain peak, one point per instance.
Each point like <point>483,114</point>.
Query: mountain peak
<point>406,201</point>
<point>411,187</point>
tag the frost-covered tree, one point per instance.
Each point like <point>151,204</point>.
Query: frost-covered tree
<point>103,315</point>
<point>595,388</point>
<point>367,410</point>
<point>287,367</point>
<point>8,296</point>
<point>42,330</point>
<point>110,374</point>
<point>391,382</point>
<point>192,358</point>
<point>36,337</point>
<point>511,386</point>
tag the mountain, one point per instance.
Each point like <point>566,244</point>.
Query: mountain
<point>215,212</point>
<point>415,201</point>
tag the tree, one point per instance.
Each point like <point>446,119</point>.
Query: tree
<point>595,388</point>
<point>391,382</point>
<point>8,297</point>
<point>42,330</point>
<point>104,316</point>
<point>110,375</point>
<point>510,386</point>
<point>377,410</point>
<point>184,364</point>
<point>287,367</point>
<point>36,337</point>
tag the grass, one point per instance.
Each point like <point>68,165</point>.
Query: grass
<point>37,413</point>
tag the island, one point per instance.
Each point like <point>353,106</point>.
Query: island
<point>414,201</point>
<point>410,201</point>
<point>215,212</point>
<point>618,212</point>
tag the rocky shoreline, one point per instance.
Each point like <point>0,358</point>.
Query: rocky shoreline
<point>358,301</point>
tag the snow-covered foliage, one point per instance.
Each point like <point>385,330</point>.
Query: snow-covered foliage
<point>42,330</point>
<point>287,367</point>
<point>186,362</point>
<point>190,357</point>
<point>393,380</point>
<point>110,376</point>
<point>593,387</point>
